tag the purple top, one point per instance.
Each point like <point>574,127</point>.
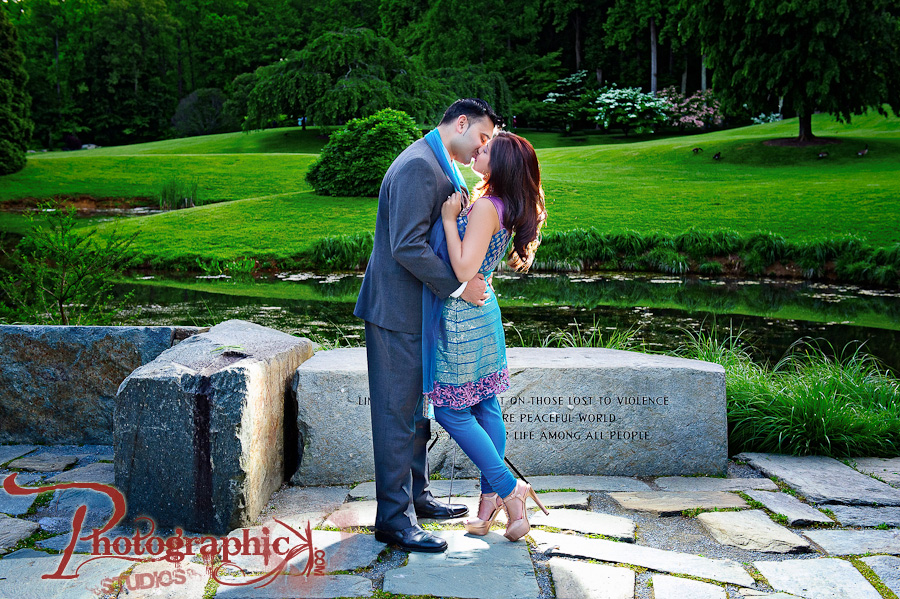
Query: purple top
<point>498,204</point>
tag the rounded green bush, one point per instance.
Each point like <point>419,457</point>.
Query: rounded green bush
<point>357,156</point>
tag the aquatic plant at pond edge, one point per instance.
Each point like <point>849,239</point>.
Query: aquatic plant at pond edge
<point>812,402</point>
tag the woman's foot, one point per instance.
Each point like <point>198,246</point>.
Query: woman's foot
<point>488,508</point>
<point>517,519</point>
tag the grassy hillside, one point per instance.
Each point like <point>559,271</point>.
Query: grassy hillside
<point>606,181</point>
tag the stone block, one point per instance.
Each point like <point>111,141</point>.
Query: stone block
<point>199,432</point>
<point>672,503</point>
<point>817,579</point>
<point>58,383</point>
<point>824,480</point>
<point>581,411</point>
<point>751,530</point>
<point>796,512</point>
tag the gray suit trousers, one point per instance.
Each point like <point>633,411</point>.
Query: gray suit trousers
<point>400,431</point>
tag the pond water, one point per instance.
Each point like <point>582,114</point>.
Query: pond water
<point>771,314</point>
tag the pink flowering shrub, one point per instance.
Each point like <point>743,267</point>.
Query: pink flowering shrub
<point>698,111</point>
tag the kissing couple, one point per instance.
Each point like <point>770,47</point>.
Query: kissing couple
<point>434,336</point>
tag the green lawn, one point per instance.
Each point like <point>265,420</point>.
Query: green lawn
<point>597,180</point>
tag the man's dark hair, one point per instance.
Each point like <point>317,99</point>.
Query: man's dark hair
<point>473,108</point>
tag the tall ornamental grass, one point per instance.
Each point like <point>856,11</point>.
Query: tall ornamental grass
<point>814,401</point>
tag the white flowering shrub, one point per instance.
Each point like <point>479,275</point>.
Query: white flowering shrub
<point>570,104</point>
<point>629,109</point>
<point>766,118</point>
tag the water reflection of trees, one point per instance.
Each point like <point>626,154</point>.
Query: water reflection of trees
<point>831,303</point>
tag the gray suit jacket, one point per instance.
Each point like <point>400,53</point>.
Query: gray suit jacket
<point>409,202</point>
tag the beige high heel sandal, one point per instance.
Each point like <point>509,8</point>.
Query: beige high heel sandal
<point>480,527</point>
<point>518,528</point>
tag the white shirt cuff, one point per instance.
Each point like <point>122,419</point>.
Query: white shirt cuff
<point>459,291</point>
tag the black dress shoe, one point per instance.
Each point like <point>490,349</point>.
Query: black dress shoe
<point>440,510</point>
<point>412,539</point>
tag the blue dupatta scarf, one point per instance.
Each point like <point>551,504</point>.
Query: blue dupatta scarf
<point>432,305</point>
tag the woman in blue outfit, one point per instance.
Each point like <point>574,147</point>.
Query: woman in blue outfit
<point>470,354</point>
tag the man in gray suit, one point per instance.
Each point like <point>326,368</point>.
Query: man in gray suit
<point>390,301</point>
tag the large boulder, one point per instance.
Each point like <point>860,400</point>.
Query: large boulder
<point>580,411</point>
<point>58,383</point>
<point>199,432</point>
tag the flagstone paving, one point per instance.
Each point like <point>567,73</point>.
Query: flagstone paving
<point>573,499</point>
<point>98,472</point>
<point>297,587</point>
<point>752,530</point>
<point>574,579</point>
<point>702,483</point>
<point>615,527</point>
<point>21,572</point>
<point>849,515</point>
<point>887,568</point>
<point>796,512</point>
<point>343,550</point>
<point>352,514</point>
<point>11,452</point>
<point>488,567</point>
<point>647,557</point>
<point>164,580</point>
<point>44,462</point>
<point>671,503</point>
<point>887,469</point>
<point>15,505</point>
<point>818,579</point>
<point>671,587</point>
<point>649,512</point>
<point>13,530</point>
<point>824,480</point>
<point>855,542</point>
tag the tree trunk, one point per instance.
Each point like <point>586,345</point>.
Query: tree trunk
<point>703,73</point>
<point>653,52</point>
<point>191,62</point>
<point>58,89</point>
<point>599,76</point>
<point>684,77</point>
<point>178,60</point>
<point>577,41</point>
<point>806,133</point>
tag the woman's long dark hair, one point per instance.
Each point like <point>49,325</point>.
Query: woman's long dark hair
<point>515,177</point>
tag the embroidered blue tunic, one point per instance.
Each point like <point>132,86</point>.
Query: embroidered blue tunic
<point>471,347</point>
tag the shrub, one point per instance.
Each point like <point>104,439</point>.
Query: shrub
<point>766,118</point>
<point>358,155</point>
<point>15,103</point>
<point>60,276</point>
<point>569,105</point>
<point>629,109</point>
<point>698,111</point>
<point>200,112</point>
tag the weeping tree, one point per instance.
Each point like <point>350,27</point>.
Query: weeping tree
<point>15,124</point>
<point>337,77</point>
<point>836,56</point>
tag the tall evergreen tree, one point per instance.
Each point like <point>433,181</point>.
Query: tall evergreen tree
<point>15,124</point>
<point>835,56</point>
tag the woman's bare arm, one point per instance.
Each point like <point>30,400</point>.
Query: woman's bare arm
<point>467,255</point>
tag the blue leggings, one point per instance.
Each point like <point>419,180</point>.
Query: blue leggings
<point>480,432</point>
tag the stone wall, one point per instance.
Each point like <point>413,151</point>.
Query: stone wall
<point>200,431</point>
<point>568,411</point>
<point>58,383</point>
